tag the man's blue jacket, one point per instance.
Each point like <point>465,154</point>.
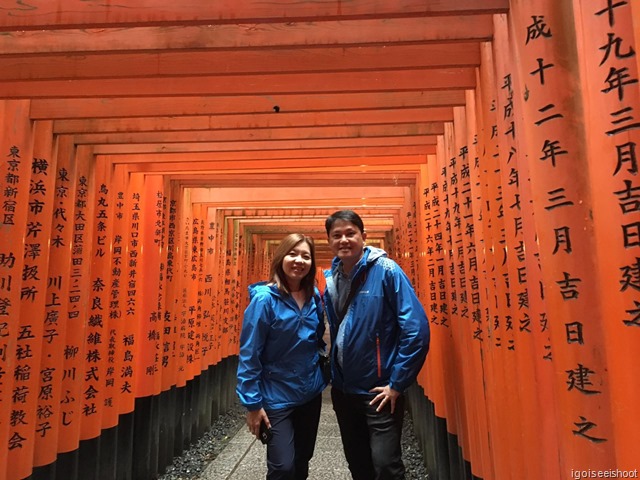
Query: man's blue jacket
<point>386,332</point>
<point>279,350</point>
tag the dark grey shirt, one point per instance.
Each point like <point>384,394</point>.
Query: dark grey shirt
<point>343,287</point>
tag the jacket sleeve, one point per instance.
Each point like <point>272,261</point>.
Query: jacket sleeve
<point>414,336</point>
<point>255,328</point>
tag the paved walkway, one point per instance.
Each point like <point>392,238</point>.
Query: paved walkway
<point>244,458</point>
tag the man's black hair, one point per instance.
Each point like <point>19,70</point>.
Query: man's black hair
<point>347,216</point>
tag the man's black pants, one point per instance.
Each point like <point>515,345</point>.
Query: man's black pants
<point>371,440</point>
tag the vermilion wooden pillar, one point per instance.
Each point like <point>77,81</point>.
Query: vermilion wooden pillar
<point>172,275</point>
<point>518,320</point>
<point>16,143</point>
<point>230,283</point>
<point>210,272</point>
<point>198,252</point>
<point>534,361</point>
<point>433,374</point>
<point>219,280</point>
<point>184,205</point>
<point>98,281</point>
<point>477,281</point>
<point>445,338</point>
<point>25,421</point>
<point>608,53</point>
<point>211,259</point>
<point>467,266</point>
<point>29,376</point>
<point>76,407</point>
<point>554,143</point>
<point>499,336</point>
<point>115,383</point>
<point>122,283</point>
<point>454,255</point>
<point>240,287</point>
<point>412,235</point>
<point>635,19</point>
<point>111,221</point>
<point>57,288</point>
<point>150,263</point>
<point>423,292</point>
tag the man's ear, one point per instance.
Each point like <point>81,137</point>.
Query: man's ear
<point>364,236</point>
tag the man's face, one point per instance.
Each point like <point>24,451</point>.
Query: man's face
<point>346,242</point>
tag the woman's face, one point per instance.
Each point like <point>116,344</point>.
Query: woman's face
<point>297,263</point>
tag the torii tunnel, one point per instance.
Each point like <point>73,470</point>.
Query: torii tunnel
<point>153,154</point>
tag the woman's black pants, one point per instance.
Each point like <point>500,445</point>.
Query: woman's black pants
<point>294,439</point>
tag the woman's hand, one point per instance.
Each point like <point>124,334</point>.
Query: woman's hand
<point>254,419</point>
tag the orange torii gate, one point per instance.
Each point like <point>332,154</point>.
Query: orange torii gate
<point>124,265</point>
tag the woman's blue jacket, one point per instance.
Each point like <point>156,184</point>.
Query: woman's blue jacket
<point>386,332</point>
<point>279,350</point>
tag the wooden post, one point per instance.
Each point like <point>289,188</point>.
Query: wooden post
<point>96,328</point>
<point>15,141</point>
<point>478,279</point>
<point>500,343</point>
<point>611,97</point>
<point>56,308</point>
<point>76,404</point>
<point>466,266</point>
<point>554,144</point>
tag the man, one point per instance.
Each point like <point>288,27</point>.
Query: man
<point>379,341</point>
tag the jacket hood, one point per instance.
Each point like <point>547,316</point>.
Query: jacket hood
<point>374,254</point>
<point>262,287</point>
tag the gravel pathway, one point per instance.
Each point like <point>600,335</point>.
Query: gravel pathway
<point>194,461</point>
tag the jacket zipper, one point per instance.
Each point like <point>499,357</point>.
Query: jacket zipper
<point>378,355</point>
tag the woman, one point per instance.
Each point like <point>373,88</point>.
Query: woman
<point>279,379</point>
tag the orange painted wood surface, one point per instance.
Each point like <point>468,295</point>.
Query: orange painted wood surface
<point>73,406</point>
<point>33,373</point>
<point>227,107</point>
<point>56,307</point>
<point>78,14</point>
<point>466,264</point>
<point>412,79</point>
<point>272,34</point>
<point>17,395</point>
<point>346,117</point>
<point>556,151</point>
<point>517,318</point>
<point>229,62</point>
<point>497,336</point>
<point>610,87</point>
<point>96,327</point>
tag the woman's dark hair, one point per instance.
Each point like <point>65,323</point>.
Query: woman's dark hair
<point>278,276</point>
<point>347,216</point>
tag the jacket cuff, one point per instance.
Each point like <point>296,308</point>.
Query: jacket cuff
<point>396,386</point>
<point>252,407</point>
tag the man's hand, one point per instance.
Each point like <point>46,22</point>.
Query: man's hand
<point>254,418</point>
<point>384,395</point>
